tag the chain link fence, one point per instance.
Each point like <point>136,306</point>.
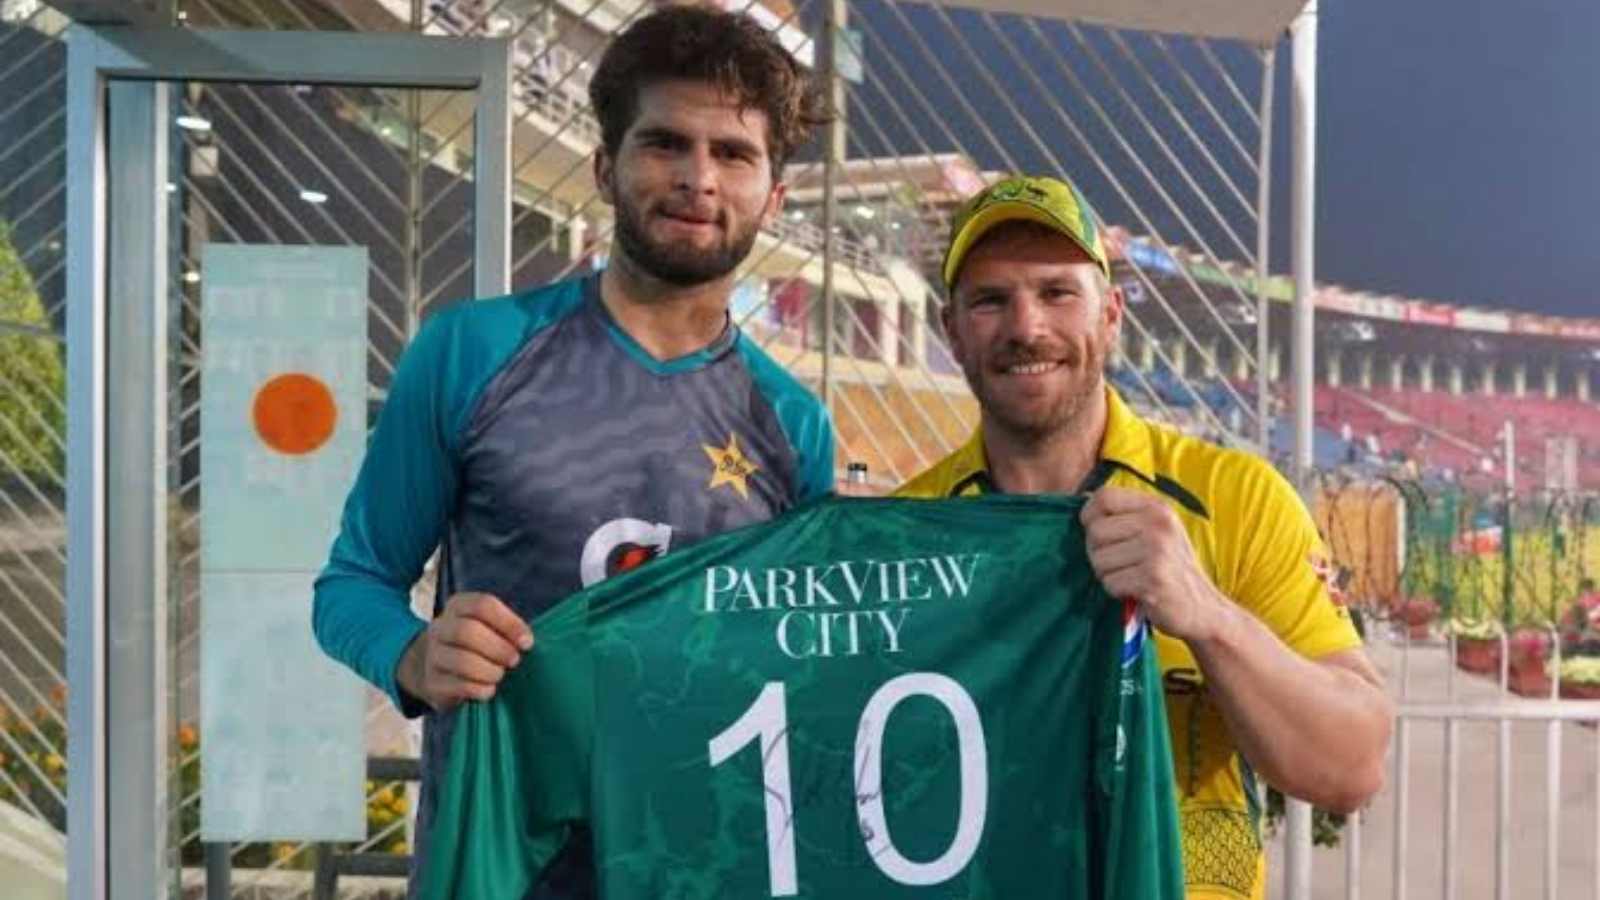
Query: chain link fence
<point>1452,561</point>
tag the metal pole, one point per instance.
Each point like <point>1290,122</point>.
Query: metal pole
<point>413,192</point>
<point>1297,850</point>
<point>219,870</point>
<point>1452,803</point>
<point>1269,69</point>
<point>1502,795</point>
<point>1507,581</point>
<point>833,155</point>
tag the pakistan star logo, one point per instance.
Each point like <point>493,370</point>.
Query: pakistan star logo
<point>729,466</point>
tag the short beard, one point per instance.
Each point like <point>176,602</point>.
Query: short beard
<point>1041,428</point>
<point>677,265</point>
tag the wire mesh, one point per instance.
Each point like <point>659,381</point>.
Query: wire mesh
<point>32,413</point>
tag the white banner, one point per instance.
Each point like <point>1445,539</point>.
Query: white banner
<point>283,425</point>
<point>1483,320</point>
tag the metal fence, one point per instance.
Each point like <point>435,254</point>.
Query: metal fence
<point>1165,135</point>
<point>1481,613</point>
<point>32,413</point>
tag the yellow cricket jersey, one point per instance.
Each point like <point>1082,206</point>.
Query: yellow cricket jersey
<point>1258,544</point>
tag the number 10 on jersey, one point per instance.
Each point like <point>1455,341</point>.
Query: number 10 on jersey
<point>766,722</point>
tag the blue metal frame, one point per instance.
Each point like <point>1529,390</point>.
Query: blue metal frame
<point>116,385</point>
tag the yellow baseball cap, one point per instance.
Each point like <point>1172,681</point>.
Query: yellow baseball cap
<point>1051,202</point>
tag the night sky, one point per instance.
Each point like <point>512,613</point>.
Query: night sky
<point>1458,145</point>
<point>1457,139</point>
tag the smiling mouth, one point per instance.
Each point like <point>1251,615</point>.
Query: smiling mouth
<point>1033,368</point>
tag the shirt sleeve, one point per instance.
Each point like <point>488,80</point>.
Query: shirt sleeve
<point>393,519</point>
<point>814,448</point>
<point>804,420</point>
<point>1277,567</point>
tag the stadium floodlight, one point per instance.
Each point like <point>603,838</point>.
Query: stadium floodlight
<point>311,196</point>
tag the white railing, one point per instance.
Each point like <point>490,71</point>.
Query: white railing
<point>1480,800</point>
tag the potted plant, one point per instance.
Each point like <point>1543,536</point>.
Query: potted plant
<point>1580,624</point>
<point>1580,678</point>
<point>1418,614</point>
<point>1528,668</point>
<point>1477,641</point>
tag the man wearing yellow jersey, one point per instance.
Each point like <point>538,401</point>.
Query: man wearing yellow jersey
<point>1265,676</point>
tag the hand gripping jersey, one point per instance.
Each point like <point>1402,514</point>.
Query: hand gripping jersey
<point>863,698</point>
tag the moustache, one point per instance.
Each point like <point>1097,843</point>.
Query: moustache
<point>1027,354</point>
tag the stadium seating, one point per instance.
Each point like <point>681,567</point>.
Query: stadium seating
<point>1444,431</point>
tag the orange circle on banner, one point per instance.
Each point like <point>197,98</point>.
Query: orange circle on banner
<point>294,413</point>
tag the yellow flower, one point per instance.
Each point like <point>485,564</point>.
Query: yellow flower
<point>54,763</point>
<point>400,847</point>
<point>188,737</point>
<point>399,805</point>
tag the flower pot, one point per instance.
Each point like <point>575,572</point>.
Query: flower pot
<point>1529,681</point>
<point>1579,690</point>
<point>1418,615</point>
<point>1480,655</point>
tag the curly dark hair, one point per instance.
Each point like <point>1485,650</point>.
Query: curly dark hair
<point>729,50</point>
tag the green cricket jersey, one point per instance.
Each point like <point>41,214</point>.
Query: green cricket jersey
<point>862,698</point>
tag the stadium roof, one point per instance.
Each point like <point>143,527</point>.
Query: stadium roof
<point>1256,21</point>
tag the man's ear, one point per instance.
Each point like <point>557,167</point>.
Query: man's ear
<point>947,314</point>
<point>603,166</point>
<point>1115,306</point>
<point>775,199</point>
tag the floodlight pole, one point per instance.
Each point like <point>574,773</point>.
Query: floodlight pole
<point>1297,847</point>
<point>832,157</point>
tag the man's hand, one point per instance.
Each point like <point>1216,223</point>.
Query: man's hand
<point>464,652</point>
<point>1139,550</point>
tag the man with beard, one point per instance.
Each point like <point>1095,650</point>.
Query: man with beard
<point>547,440</point>
<point>1263,671</point>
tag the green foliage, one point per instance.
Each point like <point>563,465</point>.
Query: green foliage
<point>1476,628</point>
<point>1325,826</point>
<point>1581,670</point>
<point>33,752</point>
<point>33,377</point>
